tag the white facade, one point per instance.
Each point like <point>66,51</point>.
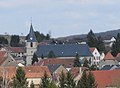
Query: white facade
<point>96,57</point>
<point>109,42</point>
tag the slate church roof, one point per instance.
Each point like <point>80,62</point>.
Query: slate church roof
<point>64,50</point>
<point>31,36</point>
<point>52,68</point>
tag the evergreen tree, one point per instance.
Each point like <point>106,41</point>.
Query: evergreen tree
<point>3,40</point>
<point>93,67</point>
<point>76,61</point>
<point>91,81</point>
<point>116,46</point>
<point>32,85</point>
<point>45,81</point>
<point>40,36</point>
<point>51,54</point>
<point>42,56</point>
<point>14,41</point>
<point>82,83</point>
<point>62,80</point>
<point>94,41</point>
<point>100,44</point>
<point>70,81</point>
<point>86,63</point>
<point>20,81</point>
<point>91,39</point>
<point>52,85</point>
<point>47,37</point>
<point>34,59</point>
<point>87,81</point>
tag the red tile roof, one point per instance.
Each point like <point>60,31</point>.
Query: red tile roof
<point>36,71</point>
<point>118,55</point>
<point>106,77</point>
<point>92,49</point>
<point>2,56</point>
<point>51,61</point>
<point>109,56</point>
<point>31,71</point>
<point>76,70</point>
<point>16,49</point>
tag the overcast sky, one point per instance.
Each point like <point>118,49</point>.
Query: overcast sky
<point>61,17</point>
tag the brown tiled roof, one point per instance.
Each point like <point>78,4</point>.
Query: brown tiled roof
<point>109,56</point>
<point>36,71</point>
<point>16,49</point>
<point>51,61</point>
<point>9,71</point>
<point>92,49</point>
<point>75,70</point>
<point>31,71</point>
<point>2,56</point>
<point>106,78</point>
<point>118,55</point>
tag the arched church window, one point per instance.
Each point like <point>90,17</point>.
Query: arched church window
<point>31,44</point>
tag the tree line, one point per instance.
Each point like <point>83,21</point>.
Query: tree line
<point>94,41</point>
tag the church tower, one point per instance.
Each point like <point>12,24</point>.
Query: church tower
<point>31,46</point>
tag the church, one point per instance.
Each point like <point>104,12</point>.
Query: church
<point>31,46</point>
<point>61,51</point>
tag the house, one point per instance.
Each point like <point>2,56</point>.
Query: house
<point>56,71</point>
<point>65,51</point>
<point>108,60</point>
<point>33,73</point>
<point>107,78</point>
<point>77,72</point>
<point>67,63</point>
<point>17,53</point>
<point>96,55</point>
<point>6,59</point>
<point>109,42</point>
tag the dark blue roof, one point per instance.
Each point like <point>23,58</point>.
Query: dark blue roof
<point>64,50</point>
<point>31,36</point>
<point>52,68</point>
<point>107,67</point>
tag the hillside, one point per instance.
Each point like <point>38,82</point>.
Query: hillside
<point>104,35</point>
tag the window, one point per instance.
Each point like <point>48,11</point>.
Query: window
<point>31,44</point>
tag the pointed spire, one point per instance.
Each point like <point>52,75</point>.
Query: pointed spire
<point>31,37</point>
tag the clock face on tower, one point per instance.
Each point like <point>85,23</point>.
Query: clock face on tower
<point>31,38</point>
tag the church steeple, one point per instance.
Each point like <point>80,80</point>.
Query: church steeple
<point>31,36</point>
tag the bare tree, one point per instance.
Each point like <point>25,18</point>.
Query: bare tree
<point>5,81</point>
